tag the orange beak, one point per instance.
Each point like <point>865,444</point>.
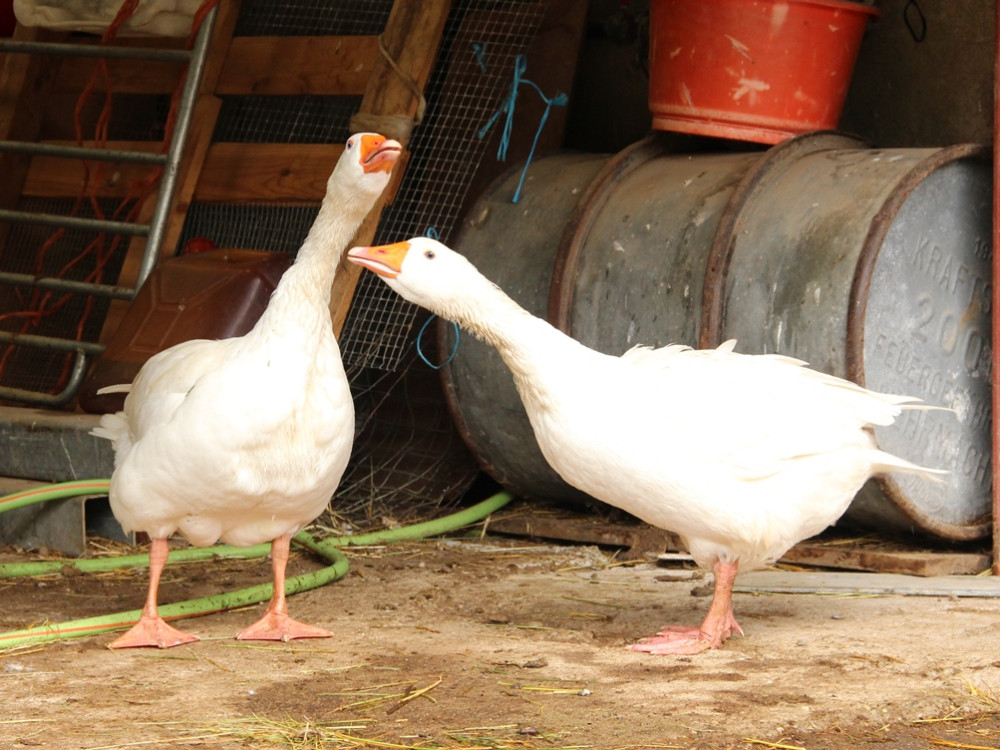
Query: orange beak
<point>385,260</point>
<point>378,153</point>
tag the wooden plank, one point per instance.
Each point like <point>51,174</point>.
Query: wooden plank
<point>411,39</point>
<point>640,540</point>
<point>275,172</point>
<point>54,177</point>
<point>222,37</point>
<point>232,172</point>
<point>331,65</point>
<point>871,584</point>
<point>148,77</point>
<point>322,65</point>
<point>192,167</point>
<point>909,562</point>
<point>124,76</point>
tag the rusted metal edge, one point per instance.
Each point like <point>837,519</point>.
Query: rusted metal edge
<point>857,306</point>
<point>713,312</point>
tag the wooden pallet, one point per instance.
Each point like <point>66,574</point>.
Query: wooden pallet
<point>389,80</point>
<point>642,541</point>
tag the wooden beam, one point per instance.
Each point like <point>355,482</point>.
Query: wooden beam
<point>411,40</point>
<point>55,177</point>
<point>276,172</point>
<point>331,65</point>
<point>222,37</point>
<point>124,76</point>
<point>643,541</point>
<point>322,65</point>
<point>909,562</point>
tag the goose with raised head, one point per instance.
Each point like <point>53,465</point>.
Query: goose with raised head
<point>245,439</point>
<point>741,455</point>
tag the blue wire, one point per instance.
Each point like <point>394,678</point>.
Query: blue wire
<point>420,351</point>
<point>479,51</point>
<point>433,234</point>
<point>559,100</point>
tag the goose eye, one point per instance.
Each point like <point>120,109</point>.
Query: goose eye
<point>429,254</point>
<point>350,144</point>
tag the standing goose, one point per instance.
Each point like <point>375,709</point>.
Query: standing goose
<point>741,455</point>
<point>245,439</point>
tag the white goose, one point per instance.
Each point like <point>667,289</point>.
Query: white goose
<point>741,455</point>
<point>245,439</point>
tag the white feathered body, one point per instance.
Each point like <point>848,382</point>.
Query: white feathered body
<point>741,455</point>
<point>242,439</point>
<point>246,439</point>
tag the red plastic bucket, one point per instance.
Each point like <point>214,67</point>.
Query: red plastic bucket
<point>752,70</point>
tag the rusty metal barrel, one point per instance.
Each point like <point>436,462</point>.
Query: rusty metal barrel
<point>870,264</point>
<point>513,244</point>
<point>874,265</point>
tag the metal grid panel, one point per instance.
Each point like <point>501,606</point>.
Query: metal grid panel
<point>469,82</point>
<point>43,369</point>
<point>277,228</point>
<point>312,17</point>
<point>408,460</point>
<point>285,119</point>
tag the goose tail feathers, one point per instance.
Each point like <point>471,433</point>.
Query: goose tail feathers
<point>886,463</point>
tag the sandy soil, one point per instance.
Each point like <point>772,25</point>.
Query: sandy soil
<point>496,642</point>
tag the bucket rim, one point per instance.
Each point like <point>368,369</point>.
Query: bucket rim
<point>851,6</point>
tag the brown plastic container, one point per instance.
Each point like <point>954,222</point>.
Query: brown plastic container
<point>216,294</point>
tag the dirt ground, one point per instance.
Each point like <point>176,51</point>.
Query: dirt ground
<point>485,641</point>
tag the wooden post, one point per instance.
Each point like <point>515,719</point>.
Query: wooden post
<point>410,40</point>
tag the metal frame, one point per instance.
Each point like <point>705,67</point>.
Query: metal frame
<point>153,231</point>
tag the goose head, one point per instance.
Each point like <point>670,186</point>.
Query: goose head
<point>424,272</point>
<point>366,164</point>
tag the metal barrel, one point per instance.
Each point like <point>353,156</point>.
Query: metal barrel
<point>870,264</point>
<point>512,244</point>
<point>874,265</point>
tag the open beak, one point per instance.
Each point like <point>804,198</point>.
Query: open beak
<point>378,153</point>
<point>385,260</point>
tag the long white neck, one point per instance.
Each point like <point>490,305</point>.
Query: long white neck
<point>530,347</point>
<point>301,301</point>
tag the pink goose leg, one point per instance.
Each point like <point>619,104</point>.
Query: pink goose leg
<point>719,624</point>
<point>152,630</point>
<point>276,625</point>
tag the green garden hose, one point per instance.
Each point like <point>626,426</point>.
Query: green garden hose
<point>326,548</point>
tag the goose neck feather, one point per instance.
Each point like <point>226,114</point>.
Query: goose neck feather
<point>540,357</point>
<point>301,300</point>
